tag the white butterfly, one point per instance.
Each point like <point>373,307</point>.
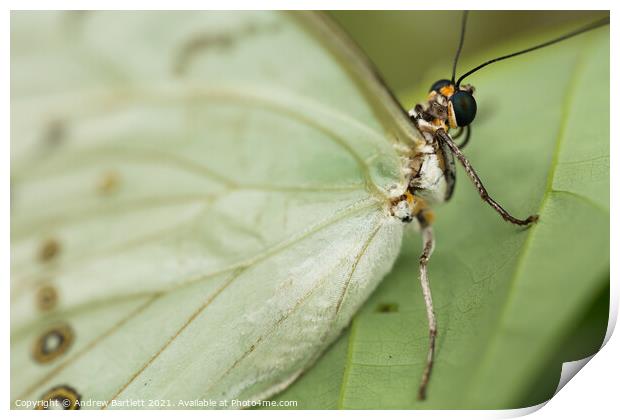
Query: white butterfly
<point>192,216</point>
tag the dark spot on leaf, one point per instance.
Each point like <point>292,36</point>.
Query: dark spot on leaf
<point>387,307</point>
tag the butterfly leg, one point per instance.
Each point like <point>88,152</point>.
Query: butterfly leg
<point>429,244</point>
<point>442,136</point>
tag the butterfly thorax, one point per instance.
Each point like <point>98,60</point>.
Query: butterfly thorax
<point>429,164</point>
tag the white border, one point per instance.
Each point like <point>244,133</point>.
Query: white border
<point>593,393</point>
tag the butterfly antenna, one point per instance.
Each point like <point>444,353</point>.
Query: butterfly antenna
<point>461,41</point>
<point>586,28</point>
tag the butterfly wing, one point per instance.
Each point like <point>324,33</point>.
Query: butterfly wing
<point>199,200</point>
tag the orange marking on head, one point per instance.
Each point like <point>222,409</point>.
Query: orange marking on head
<point>447,90</point>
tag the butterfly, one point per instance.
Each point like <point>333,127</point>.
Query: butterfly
<point>198,219</point>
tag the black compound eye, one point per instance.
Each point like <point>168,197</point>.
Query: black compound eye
<point>465,107</point>
<point>439,84</point>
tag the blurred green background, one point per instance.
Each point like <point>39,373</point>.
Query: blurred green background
<point>406,44</point>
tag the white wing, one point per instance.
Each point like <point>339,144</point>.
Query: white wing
<point>199,199</point>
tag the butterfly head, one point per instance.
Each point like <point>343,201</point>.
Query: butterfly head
<point>459,101</point>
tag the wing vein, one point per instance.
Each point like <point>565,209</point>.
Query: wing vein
<point>298,304</point>
<point>239,269</point>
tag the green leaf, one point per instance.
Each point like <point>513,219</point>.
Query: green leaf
<point>506,298</point>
